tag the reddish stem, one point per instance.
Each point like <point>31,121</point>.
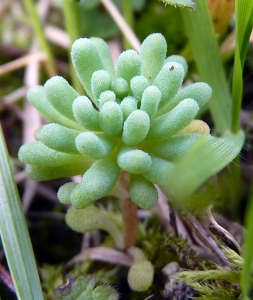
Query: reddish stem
<point>129,213</point>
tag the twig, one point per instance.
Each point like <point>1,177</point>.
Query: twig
<point>57,36</point>
<point>102,254</point>
<point>120,21</point>
<point>31,122</point>
<point>201,234</point>
<point>165,212</point>
<point>129,212</point>
<point>14,96</point>
<point>20,176</point>
<point>22,62</point>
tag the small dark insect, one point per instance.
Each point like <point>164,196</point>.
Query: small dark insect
<point>172,68</point>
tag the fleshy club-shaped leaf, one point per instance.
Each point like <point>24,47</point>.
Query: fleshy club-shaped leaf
<point>59,138</point>
<point>170,148</point>
<point>175,120</point>
<point>169,80</point>
<point>201,92</point>
<point>100,82</point>
<point>37,97</point>
<point>128,65</point>
<point>85,114</point>
<point>152,53</point>
<point>196,126</point>
<point>159,171</point>
<point>105,97</point>
<point>86,60</point>
<point>65,191</point>
<point>95,146</point>
<point>96,183</point>
<point>179,59</point>
<point>135,127</point>
<point>61,95</point>
<point>42,173</point>
<point>105,54</point>
<point>134,160</point>
<point>142,192</point>
<point>36,153</point>
<point>150,100</point>
<point>138,84</point>
<point>120,87</point>
<point>111,118</point>
<point>128,105</point>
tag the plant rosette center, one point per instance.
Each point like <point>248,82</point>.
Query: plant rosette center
<point>133,118</point>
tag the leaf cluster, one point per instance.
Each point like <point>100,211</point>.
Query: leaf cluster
<point>133,118</point>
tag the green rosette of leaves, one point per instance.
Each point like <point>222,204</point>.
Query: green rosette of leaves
<point>133,118</point>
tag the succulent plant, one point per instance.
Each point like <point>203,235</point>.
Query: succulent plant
<point>134,119</point>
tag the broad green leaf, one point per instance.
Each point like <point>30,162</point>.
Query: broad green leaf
<point>207,157</point>
<point>14,234</point>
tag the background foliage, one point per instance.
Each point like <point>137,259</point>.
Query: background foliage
<point>206,38</point>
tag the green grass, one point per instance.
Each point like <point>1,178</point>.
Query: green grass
<point>207,157</point>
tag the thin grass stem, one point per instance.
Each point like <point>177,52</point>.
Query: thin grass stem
<point>72,23</point>
<point>38,29</point>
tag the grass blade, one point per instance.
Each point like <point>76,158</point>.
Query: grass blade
<point>73,27</point>
<point>40,34</point>
<point>244,24</point>
<point>207,157</point>
<point>246,277</point>
<point>201,34</point>
<point>14,234</point>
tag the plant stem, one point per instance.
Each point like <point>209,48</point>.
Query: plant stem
<point>129,213</point>
<point>22,62</point>
<point>121,23</point>
<point>129,210</point>
<point>72,23</point>
<point>128,15</point>
<point>38,29</point>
